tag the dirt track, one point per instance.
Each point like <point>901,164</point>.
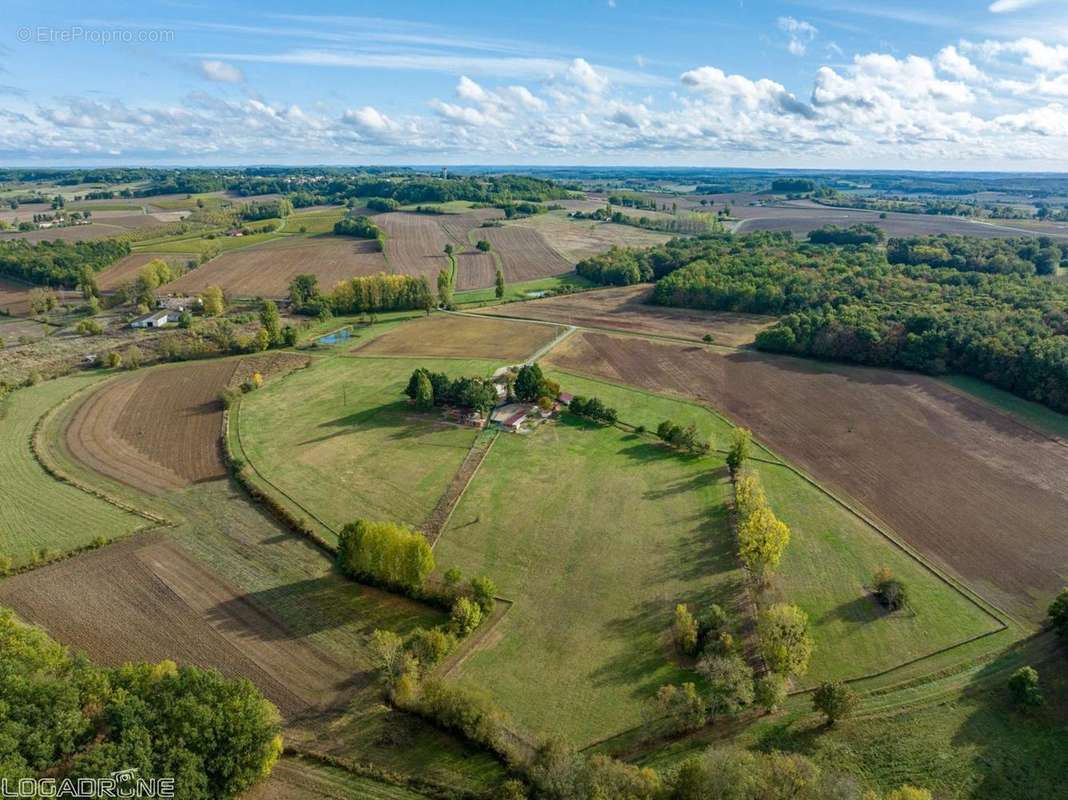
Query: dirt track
<point>146,600</point>
<point>959,481</point>
<point>155,429</point>
<point>624,308</point>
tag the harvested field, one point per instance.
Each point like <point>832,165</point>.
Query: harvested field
<point>80,233</point>
<point>295,779</point>
<point>624,308</point>
<point>13,332</point>
<point>475,270</point>
<point>940,469</point>
<point>155,429</point>
<point>269,365</point>
<point>458,226</point>
<point>146,599</point>
<point>453,336</point>
<point>524,253</point>
<point>125,269</point>
<point>415,244</point>
<point>576,239</point>
<point>266,270</point>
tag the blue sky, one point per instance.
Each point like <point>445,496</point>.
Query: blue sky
<point>972,84</point>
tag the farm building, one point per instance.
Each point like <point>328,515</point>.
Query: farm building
<point>157,319</point>
<point>512,416</point>
<point>180,303</point>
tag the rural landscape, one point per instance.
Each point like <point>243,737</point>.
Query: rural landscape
<point>528,481</point>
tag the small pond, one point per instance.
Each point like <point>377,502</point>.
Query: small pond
<point>336,337</point>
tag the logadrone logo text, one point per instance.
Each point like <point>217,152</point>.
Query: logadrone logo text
<point>125,783</point>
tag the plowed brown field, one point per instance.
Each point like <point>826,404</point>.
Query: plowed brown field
<point>415,244</point>
<point>147,600</point>
<point>963,483</point>
<point>525,253</point>
<point>446,335</point>
<point>155,429</point>
<point>624,308</point>
<point>266,270</point>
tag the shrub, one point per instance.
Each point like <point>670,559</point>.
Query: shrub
<point>890,591</point>
<point>1058,614</point>
<point>835,700</point>
<point>784,639</point>
<point>113,360</point>
<point>730,683</point>
<point>769,691</point>
<point>685,631</point>
<point>430,646</point>
<point>1023,686</point>
<point>483,591</point>
<point>465,616</point>
<point>682,706</point>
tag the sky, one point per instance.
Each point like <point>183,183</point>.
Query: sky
<point>902,84</point>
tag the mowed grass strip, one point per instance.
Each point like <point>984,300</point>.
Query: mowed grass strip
<point>341,439</point>
<point>37,510</point>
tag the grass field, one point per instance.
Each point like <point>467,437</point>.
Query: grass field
<point>341,439</point>
<point>300,779</point>
<point>37,511</point>
<point>457,336</point>
<point>522,290</point>
<point>596,533</point>
<point>1033,414</point>
<point>578,239</point>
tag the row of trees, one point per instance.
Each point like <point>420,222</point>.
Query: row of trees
<point>372,293</point>
<point>593,408</point>
<point>762,536</point>
<point>65,718</point>
<point>429,389</point>
<point>684,438</point>
<point>385,554</point>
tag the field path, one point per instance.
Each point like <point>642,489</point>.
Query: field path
<point>439,517</point>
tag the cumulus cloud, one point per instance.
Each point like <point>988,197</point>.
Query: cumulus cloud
<point>950,61</point>
<point>582,74</point>
<point>221,72</point>
<point>800,33</point>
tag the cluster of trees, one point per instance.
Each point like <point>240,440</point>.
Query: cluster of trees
<point>385,554</point>
<point>593,408</point>
<point>373,293</point>
<point>58,263</point>
<point>381,204</point>
<point>1020,256</point>
<point>793,185</point>
<point>854,234</point>
<point>65,718</point>
<point>362,228</point>
<point>266,209</point>
<point>531,386</point>
<point>684,438</point>
<point>691,223</point>
<point>429,389</point>
<point>762,536</point>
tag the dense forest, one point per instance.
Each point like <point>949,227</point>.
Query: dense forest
<point>58,263</point>
<point>65,718</point>
<point>934,304</point>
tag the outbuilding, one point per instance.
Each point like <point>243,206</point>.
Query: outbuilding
<point>157,319</point>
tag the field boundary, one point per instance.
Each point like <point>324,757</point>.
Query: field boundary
<point>434,527</point>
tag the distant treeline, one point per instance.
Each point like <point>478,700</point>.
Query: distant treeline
<point>58,263</point>
<point>934,304</point>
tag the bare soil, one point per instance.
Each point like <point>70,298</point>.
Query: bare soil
<point>961,482</point>
<point>155,429</point>
<point>266,270</point>
<point>415,244</point>
<point>625,308</point>
<point>147,600</point>
<point>524,253</point>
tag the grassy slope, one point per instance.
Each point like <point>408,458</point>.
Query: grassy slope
<point>596,535</point>
<point>518,291</point>
<point>341,438</point>
<point>38,511</point>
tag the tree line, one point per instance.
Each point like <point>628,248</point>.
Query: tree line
<point>361,228</point>
<point>369,293</point>
<point>429,389</point>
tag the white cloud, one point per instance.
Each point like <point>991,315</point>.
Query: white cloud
<point>950,61</point>
<point>463,115</point>
<point>582,74</point>
<point>221,72</point>
<point>467,89</point>
<point>1003,6</point>
<point>800,32</point>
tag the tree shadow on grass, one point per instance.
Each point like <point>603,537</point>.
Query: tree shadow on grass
<point>397,416</point>
<point>311,606</point>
